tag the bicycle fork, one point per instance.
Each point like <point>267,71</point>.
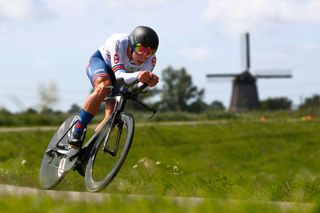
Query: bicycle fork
<point>112,151</point>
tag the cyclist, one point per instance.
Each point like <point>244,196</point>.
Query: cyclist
<point>128,56</point>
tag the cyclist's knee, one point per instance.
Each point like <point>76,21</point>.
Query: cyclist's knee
<point>102,88</point>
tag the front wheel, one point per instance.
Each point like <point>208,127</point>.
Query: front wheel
<point>105,161</point>
<point>57,159</point>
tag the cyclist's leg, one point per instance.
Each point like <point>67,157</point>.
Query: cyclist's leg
<point>101,90</point>
<point>108,111</point>
<point>100,77</point>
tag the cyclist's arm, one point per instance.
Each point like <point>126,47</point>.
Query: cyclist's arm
<point>117,49</point>
<point>117,63</point>
<point>127,77</point>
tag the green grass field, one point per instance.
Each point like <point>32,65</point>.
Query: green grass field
<point>237,160</point>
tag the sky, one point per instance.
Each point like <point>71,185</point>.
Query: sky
<point>48,42</point>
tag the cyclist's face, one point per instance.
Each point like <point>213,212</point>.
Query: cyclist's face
<point>139,59</point>
<point>141,54</point>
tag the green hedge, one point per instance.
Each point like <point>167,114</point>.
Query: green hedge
<point>53,119</point>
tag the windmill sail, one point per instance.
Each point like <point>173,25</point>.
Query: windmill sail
<point>245,48</point>
<point>244,89</point>
<point>231,75</point>
<point>273,74</point>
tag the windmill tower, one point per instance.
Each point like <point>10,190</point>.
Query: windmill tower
<point>244,89</point>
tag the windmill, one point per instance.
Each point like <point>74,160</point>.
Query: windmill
<point>244,89</point>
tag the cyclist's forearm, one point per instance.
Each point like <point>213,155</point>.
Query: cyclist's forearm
<point>127,77</point>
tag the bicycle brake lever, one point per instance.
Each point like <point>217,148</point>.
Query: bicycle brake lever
<point>154,111</point>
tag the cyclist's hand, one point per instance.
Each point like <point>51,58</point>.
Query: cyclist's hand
<point>144,76</point>
<point>154,80</point>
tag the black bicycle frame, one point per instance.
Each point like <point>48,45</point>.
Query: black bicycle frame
<point>123,94</point>
<point>115,115</point>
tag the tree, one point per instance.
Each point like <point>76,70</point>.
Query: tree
<point>4,111</point>
<point>179,93</point>
<point>30,111</point>
<point>74,109</point>
<point>282,103</point>
<point>48,94</point>
<point>217,105</point>
<point>311,103</point>
<point>198,105</point>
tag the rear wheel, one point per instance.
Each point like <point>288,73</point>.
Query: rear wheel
<point>104,164</point>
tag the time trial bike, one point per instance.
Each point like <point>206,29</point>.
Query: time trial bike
<point>101,158</point>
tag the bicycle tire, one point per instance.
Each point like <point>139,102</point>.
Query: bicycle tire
<point>94,183</point>
<point>53,165</point>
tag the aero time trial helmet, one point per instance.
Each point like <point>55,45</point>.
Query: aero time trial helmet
<point>145,36</point>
